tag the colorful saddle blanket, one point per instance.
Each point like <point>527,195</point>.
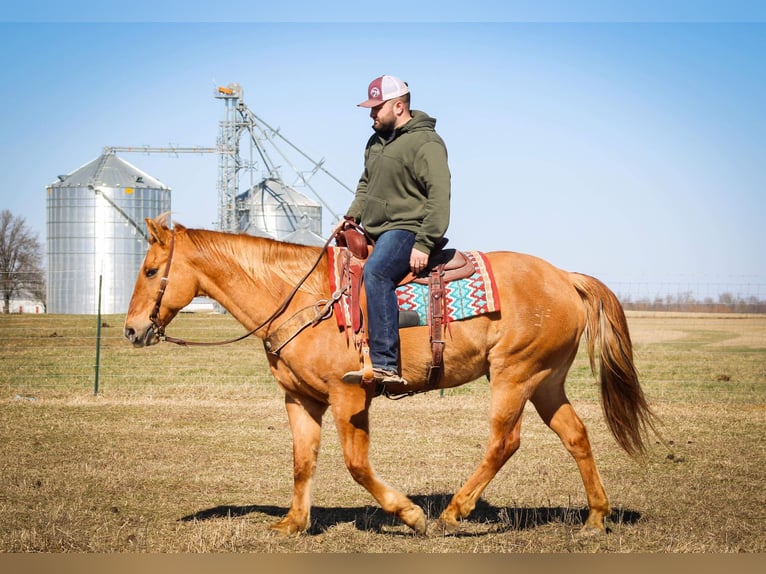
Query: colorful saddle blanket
<point>465,298</point>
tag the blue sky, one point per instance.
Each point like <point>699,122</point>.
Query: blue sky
<point>627,144</point>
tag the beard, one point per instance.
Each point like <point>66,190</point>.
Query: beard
<point>384,128</point>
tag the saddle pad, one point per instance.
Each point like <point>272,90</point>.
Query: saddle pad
<point>465,298</point>
<point>475,295</point>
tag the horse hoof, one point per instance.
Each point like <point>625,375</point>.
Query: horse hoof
<point>448,524</point>
<point>415,518</point>
<point>286,527</point>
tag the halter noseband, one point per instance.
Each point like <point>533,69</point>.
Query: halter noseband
<point>157,327</point>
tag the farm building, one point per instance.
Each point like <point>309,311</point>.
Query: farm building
<point>26,303</point>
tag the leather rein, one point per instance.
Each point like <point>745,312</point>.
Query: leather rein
<point>159,328</point>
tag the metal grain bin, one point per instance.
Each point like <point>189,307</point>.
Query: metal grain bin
<point>96,230</point>
<point>274,210</point>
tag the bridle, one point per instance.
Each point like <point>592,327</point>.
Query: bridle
<point>159,329</point>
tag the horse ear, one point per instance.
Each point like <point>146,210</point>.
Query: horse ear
<point>158,232</point>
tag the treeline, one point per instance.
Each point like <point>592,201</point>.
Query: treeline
<point>687,303</point>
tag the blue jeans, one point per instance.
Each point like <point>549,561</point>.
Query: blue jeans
<point>388,264</point>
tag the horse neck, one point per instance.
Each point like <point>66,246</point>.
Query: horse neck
<point>249,276</point>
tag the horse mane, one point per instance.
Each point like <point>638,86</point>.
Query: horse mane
<point>262,258</point>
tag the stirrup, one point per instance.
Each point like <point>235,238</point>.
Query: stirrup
<point>379,377</point>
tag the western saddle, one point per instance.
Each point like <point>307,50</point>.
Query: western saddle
<point>444,265</point>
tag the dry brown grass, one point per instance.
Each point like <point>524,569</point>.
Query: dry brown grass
<point>189,450</point>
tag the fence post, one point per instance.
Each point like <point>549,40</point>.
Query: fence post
<point>98,337</point>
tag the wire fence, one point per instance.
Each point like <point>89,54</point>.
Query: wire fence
<point>746,295</point>
<point>733,296</point>
<point>680,357</point>
<point>57,354</point>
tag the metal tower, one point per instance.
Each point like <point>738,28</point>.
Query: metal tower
<point>263,140</point>
<point>239,119</point>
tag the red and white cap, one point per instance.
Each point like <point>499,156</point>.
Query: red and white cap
<point>382,89</point>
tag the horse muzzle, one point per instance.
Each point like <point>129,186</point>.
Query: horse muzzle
<point>143,338</point>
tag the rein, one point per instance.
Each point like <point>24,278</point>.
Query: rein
<point>159,328</point>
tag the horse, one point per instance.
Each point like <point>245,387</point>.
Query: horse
<point>525,350</point>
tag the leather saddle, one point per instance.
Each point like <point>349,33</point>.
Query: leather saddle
<point>451,264</point>
<point>444,265</point>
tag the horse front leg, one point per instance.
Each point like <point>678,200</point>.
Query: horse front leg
<point>351,413</point>
<point>305,416</point>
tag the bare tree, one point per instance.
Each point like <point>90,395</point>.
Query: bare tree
<point>20,260</point>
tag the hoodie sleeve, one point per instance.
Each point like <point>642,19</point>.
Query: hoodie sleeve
<point>433,171</point>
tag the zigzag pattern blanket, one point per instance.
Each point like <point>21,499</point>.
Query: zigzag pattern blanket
<point>465,298</point>
<point>475,295</point>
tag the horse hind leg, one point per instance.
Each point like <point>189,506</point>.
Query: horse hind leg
<point>554,408</point>
<point>507,404</point>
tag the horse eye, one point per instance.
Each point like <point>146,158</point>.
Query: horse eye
<point>150,273</point>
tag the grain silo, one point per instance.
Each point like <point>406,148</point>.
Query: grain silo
<point>272,209</point>
<point>97,234</point>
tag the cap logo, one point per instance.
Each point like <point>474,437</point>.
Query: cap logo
<point>383,89</point>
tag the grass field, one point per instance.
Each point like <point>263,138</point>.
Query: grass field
<point>189,450</point>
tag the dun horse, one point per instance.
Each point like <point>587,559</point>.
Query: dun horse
<point>525,350</point>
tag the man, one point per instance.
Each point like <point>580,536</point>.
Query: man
<point>403,202</point>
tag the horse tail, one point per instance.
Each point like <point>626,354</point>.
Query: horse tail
<point>625,408</point>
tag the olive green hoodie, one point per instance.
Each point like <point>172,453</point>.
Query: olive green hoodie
<point>405,183</point>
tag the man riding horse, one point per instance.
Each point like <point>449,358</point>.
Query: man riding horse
<point>403,202</point>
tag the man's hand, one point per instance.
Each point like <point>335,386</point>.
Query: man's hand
<point>342,224</point>
<point>418,261</point>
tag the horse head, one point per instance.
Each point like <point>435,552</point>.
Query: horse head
<point>164,285</point>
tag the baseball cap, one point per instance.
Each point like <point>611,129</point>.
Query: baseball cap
<point>382,89</point>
